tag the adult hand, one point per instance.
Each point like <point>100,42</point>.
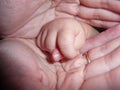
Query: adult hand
<point>101,39</point>
<point>25,67</point>
<point>29,16</point>
<point>104,52</point>
<point>101,13</point>
<point>98,13</point>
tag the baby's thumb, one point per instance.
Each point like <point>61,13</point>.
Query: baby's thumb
<point>56,55</point>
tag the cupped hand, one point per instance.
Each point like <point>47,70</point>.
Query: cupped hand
<point>29,16</point>
<point>104,52</point>
<point>25,67</point>
<point>100,13</point>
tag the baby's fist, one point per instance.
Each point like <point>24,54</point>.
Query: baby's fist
<point>65,35</point>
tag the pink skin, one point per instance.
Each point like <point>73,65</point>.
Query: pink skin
<point>24,66</point>
<point>17,17</point>
<point>64,37</point>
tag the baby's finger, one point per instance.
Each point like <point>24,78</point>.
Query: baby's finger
<point>50,41</point>
<point>79,40</point>
<point>56,55</point>
<point>66,44</point>
<point>41,39</point>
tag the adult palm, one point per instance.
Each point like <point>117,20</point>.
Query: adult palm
<point>24,67</point>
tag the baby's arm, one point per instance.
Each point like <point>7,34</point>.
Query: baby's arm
<point>64,37</point>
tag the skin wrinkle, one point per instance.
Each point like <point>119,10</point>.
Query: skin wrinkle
<point>92,76</point>
<point>105,3</point>
<point>116,79</point>
<point>60,8</point>
<point>95,22</point>
<point>112,56</point>
<point>67,72</point>
<point>96,14</point>
<point>56,11</point>
<point>42,64</point>
<point>10,8</point>
<point>101,50</point>
<point>109,81</point>
<point>37,15</point>
<point>106,64</point>
<point>59,71</point>
<point>76,4</point>
<point>67,1</point>
<point>74,70</point>
<point>57,68</point>
<point>30,18</point>
<point>82,14</point>
<point>29,44</point>
<point>85,73</point>
<point>102,3</point>
<point>105,48</point>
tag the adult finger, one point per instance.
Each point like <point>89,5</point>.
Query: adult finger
<point>113,5</point>
<point>104,64</point>
<point>102,38</point>
<point>97,14</point>
<point>98,23</point>
<point>103,50</point>
<point>82,12</point>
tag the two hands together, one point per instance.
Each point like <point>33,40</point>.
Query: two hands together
<point>64,37</point>
<point>24,67</point>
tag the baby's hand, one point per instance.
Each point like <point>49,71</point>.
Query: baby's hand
<point>62,38</point>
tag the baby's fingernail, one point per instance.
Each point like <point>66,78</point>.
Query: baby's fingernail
<point>56,55</point>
